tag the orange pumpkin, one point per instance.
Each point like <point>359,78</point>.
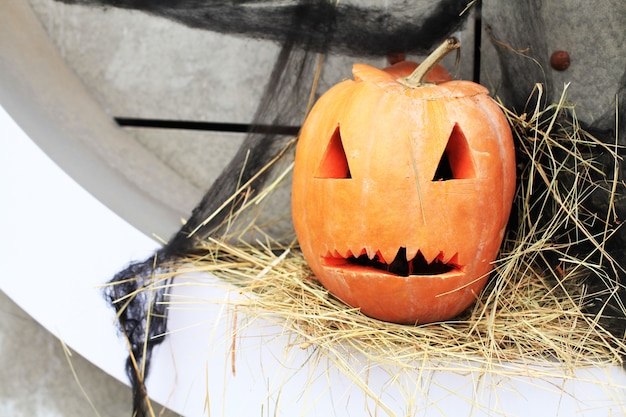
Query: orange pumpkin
<point>401,193</point>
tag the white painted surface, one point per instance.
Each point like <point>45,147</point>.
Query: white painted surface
<point>59,245</point>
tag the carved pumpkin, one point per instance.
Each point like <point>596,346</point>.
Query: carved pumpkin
<point>401,194</point>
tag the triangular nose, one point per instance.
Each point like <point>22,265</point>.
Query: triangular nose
<point>456,161</point>
<point>334,162</point>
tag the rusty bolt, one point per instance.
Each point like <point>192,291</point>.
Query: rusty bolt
<point>560,60</point>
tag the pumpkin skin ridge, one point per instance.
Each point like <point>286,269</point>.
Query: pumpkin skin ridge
<point>451,90</point>
<point>441,89</point>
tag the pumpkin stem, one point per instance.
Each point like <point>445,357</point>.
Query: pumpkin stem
<point>418,77</point>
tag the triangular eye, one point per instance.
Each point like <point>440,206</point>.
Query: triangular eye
<point>334,162</point>
<point>456,162</point>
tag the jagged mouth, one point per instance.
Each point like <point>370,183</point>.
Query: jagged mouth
<point>400,265</point>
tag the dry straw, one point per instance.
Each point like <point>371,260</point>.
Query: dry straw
<point>531,310</point>
<point>529,320</point>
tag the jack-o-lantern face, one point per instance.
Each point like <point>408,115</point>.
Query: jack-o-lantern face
<point>401,195</point>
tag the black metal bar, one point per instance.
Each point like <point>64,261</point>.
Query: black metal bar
<point>478,31</point>
<point>207,126</point>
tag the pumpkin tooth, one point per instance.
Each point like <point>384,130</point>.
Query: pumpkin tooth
<point>411,253</point>
<point>430,254</point>
<point>441,258</point>
<point>453,260</point>
<point>345,254</point>
<point>387,255</point>
<point>370,252</point>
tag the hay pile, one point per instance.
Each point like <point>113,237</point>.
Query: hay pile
<point>533,310</point>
